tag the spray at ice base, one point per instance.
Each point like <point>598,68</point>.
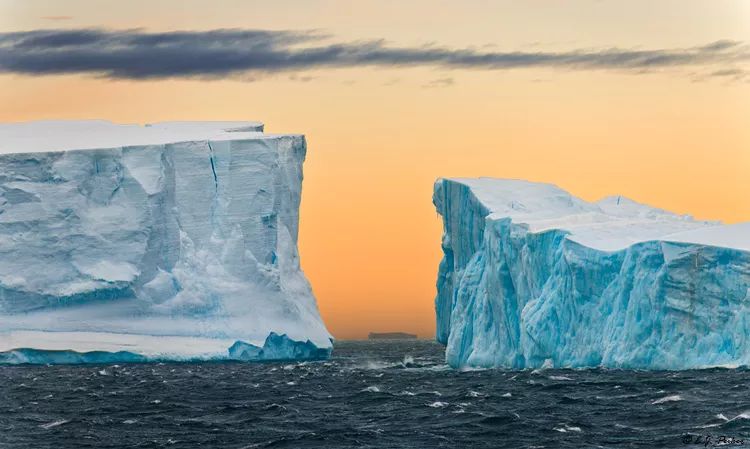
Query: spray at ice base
<point>533,276</point>
<point>173,241</point>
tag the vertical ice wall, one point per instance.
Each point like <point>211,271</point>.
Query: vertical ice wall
<point>163,248</point>
<point>532,276</point>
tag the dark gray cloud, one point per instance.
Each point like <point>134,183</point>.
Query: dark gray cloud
<point>136,54</point>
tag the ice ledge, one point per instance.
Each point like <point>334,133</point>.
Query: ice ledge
<point>79,347</point>
<point>63,135</point>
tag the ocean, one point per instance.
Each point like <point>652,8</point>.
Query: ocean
<point>371,394</point>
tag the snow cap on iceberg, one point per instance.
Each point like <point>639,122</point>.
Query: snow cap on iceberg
<point>610,224</point>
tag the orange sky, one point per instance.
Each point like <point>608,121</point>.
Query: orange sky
<point>378,138</point>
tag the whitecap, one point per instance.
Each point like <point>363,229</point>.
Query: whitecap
<point>622,396</point>
<point>466,369</point>
<point>54,424</point>
<point>372,389</point>
<point>744,415</point>
<point>275,406</point>
<point>722,417</point>
<point>103,372</point>
<point>376,365</point>
<point>559,378</point>
<point>506,395</point>
<point>156,401</point>
<point>672,398</point>
<point>474,394</point>
<point>130,421</point>
<point>438,404</point>
<point>433,368</point>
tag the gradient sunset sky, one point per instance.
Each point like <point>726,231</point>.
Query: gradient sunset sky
<point>649,99</point>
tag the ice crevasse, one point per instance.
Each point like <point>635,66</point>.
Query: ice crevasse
<point>170,241</point>
<point>534,277</point>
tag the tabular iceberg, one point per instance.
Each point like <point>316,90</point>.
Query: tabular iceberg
<point>535,277</point>
<point>172,241</point>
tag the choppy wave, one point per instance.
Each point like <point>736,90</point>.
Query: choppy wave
<point>670,398</point>
<point>370,394</point>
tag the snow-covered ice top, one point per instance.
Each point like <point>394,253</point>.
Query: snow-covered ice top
<point>59,135</point>
<point>610,224</point>
<point>735,236</point>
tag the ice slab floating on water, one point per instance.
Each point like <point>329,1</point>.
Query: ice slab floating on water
<point>171,241</point>
<point>533,276</point>
<point>113,348</point>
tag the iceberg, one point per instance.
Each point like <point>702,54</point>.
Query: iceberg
<point>173,241</point>
<point>534,277</point>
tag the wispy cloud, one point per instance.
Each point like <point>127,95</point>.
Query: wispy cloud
<point>246,54</point>
<point>301,78</point>
<point>440,82</point>
<point>57,18</point>
<point>733,73</point>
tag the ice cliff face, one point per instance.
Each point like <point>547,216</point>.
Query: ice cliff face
<point>173,241</point>
<point>533,276</point>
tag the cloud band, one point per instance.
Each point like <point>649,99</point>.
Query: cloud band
<point>138,55</point>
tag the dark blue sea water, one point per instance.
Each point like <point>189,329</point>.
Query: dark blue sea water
<point>380,394</point>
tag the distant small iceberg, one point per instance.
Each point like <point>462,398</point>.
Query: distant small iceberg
<point>391,336</point>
